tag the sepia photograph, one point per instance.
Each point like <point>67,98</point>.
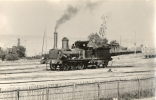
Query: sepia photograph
<point>77,50</point>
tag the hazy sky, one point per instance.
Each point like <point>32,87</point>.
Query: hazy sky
<point>28,19</point>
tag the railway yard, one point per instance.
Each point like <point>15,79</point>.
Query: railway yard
<point>30,72</point>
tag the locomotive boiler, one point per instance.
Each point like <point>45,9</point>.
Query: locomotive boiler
<point>80,56</point>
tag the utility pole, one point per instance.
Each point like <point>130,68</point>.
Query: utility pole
<point>43,42</point>
<point>120,44</point>
<point>120,40</point>
<point>135,42</point>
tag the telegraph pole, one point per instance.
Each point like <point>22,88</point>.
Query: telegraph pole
<point>135,42</point>
<point>43,42</point>
<point>120,40</point>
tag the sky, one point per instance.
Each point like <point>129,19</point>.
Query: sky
<point>127,21</point>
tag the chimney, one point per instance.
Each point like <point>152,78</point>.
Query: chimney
<point>55,40</point>
<point>18,43</point>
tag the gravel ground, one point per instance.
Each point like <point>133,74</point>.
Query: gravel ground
<point>152,98</point>
<point>27,72</point>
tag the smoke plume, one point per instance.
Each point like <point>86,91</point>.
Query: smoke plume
<point>92,5</point>
<point>69,13</point>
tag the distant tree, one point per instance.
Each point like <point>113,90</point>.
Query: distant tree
<point>141,45</point>
<point>37,57</point>
<point>21,51</point>
<point>99,39</point>
<point>2,54</point>
<point>104,41</point>
<point>96,41</point>
<point>11,56</point>
<point>103,27</point>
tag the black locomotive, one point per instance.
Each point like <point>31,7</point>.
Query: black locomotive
<point>80,56</point>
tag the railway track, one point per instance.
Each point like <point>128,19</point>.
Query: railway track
<point>36,74</point>
<point>18,64</point>
<point>82,78</point>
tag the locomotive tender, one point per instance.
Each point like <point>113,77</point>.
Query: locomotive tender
<point>80,56</point>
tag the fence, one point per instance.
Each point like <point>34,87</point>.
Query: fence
<point>103,90</point>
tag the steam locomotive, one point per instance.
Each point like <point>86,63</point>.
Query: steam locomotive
<point>79,57</point>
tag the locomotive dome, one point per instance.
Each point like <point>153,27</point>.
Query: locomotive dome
<point>65,44</point>
<point>65,39</point>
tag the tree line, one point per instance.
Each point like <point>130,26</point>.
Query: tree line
<point>14,53</point>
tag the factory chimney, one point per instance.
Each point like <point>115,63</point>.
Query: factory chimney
<point>55,40</point>
<point>18,42</point>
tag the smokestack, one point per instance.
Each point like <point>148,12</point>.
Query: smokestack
<point>55,40</point>
<point>18,43</point>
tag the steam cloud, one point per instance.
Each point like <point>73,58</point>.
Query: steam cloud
<point>71,11</point>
